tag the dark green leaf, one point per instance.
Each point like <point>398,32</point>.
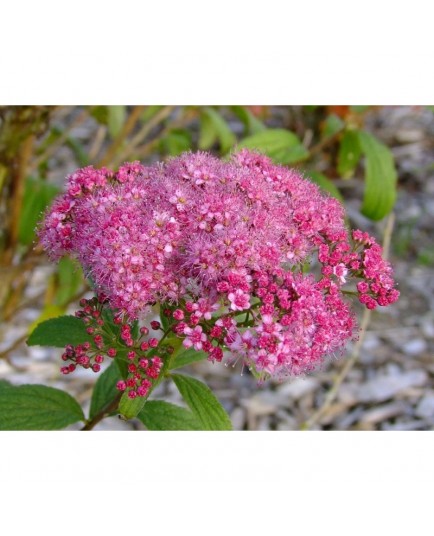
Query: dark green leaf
<point>203,403</point>
<point>105,390</point>
<point>160,415</point>
<point>37,407</point>
<point>59,332</point>
<point>324,183</point>
<point>186,358</point>
<point>38,195</point>
<point>100,113</point>
<point>281,145</point>
<point>214,127</point>
<point>116,119</point>
<point>380,178</point>
<point>349,154</point>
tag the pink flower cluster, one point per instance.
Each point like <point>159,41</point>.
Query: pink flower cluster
<point>225,244</point>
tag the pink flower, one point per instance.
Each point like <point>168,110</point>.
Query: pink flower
<point>239,300</point>
<point>195,337</point>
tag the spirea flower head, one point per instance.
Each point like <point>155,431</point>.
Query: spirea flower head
<point>224,244</point>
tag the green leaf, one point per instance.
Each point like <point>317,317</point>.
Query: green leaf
<point>203,403</point>
<point>251,123</point>
<point>149,112</point>
<point>70,278</point>
<point>176,142</point>
<point>213,127</point>
<point>4,384</point>
<point>186,358</point>
<point>325,184</point>
<point>38,194</point>
<point>332,125</point>
<point>380,177</point>
<point>359,109</point>
<point>349,154</point>
<point>37,407</point>
<point>160,415</point>
<point>105,390</point>
<point>131,407</point>
<point>116,119</point>
<point>59,332</point>
<point>281,145</point>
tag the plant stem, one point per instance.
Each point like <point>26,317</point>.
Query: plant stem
<point>109,408</point>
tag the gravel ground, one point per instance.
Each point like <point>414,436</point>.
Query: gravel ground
<point>391,386</point>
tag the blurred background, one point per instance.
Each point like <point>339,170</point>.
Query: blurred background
<point>378,160</point>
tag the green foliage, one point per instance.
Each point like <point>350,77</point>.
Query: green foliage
<point>161,415</point>
<point>333,124</point>
<point>69,280</point>
<point>203,403</point>
<point>37,407</point>
<point>116,116</point>
<point>324,183</point>
<point>38,194</point>
<point>251,123</point>
<point>59,332</point>
<point>105,390</point>
<point>349,154</point>
<point>176,142</point>
<point>380,177</point>
<point>281,145</point>
<point>213,128</point>
<point>186,358</point>
<point>131,407</point>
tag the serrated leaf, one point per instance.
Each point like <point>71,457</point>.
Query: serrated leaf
<point>59,332</point>
<point>203,403</point>
<point>37,407</point>
<point>105,390</point>
<point>380,177</point>
<point>186,358</point>
<point>349,154</point>
<point>213,127</point>
<point>325,184</point>
<point>38,194</point>
<point>116,119</point>
<point>161,415</point>
<point>283,146</point>
<point>49,311</point>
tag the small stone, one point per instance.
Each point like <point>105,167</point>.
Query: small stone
<point>384,387</point>
<point>382,413</point>
<point>425,408</point>
<point>238,418</point>
<point>297,388</point>
<point>415,347</point>
<point>427,327</point>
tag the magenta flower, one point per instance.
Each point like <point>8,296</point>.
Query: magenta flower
<point>224,242</point>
